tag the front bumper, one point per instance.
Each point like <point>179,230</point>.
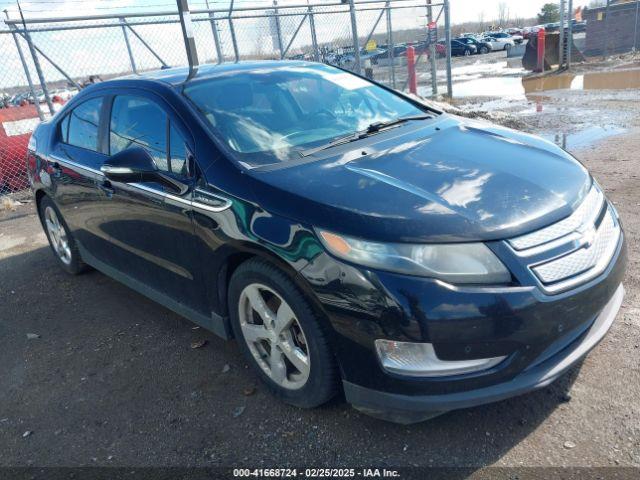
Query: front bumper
<point>410,409</point>
<point>541,334</point>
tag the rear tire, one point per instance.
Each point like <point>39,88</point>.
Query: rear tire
<point>61,241</point>
<point>484,50</point>
<point>280,335</point>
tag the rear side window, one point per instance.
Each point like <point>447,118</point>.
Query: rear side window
<point>82,128</point>
<point>140,122</point>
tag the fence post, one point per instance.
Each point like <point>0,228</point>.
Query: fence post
<point>36,63</point>
<point>635,28</point>
<point>126,41</point>
<point>570,35</point>
<point>26,70</point>
<point>232,31</point>
<point>391,60</point>
<point>276,19</point>
<point>563,10</point>
<point>411,70</point>
<point>354,32</point>
<point>605,47</point>
<point>187,34</point>
<point>447,34</point>
<point>432,53</point>
<point>541,48</point>
<point>314,38</point>
<point>214,32</point>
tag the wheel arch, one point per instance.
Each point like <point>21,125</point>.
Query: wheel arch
<point>236,255</point>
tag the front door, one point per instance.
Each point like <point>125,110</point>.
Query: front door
<point>153,239</point>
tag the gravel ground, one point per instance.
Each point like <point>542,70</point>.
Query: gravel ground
<point>92,373</point>
<point>112,380</point>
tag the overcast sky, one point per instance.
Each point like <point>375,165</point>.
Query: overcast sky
<point>469,10</point>
<point>461,10</point>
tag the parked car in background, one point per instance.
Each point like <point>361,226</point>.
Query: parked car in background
<point>515,32</point>
<point>20,99</point>
<point>529,32</point>
<point>481,46</point>
<point>457,49</point>
<point>353,240</point>
<point>503,36</point>
<point>518,38</point>
<point>5,100</point>
<point>503,42</point>
<point>552,27</point>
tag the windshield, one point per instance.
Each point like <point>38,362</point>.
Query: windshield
<point>272,114</point>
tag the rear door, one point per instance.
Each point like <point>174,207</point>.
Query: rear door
<point>73,172</point>
<point>153,237</point>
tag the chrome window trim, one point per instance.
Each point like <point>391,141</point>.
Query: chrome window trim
<point>71,163</point>
<point>226,203</point>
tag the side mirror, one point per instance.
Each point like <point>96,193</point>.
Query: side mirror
<point>135,165</point>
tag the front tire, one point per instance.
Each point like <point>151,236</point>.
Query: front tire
<point>61,241</point>
<point>280,335</point>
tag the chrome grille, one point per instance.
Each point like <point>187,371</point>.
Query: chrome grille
<point>574,250</point>
<point>592,259</point>
<point>587,211</point>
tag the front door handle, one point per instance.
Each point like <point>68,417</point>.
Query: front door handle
<point>107,188</point>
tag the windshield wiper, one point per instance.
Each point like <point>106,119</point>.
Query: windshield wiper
<point>352,137</point>
<point>370,130</point>
<point>377,126</point>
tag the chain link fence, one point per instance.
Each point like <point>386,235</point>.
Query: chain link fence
<point>46,61</point>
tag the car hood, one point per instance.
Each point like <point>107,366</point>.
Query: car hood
<point>450,179</point>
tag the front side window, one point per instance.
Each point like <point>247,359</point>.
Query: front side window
<point>140,122</point>
<point>271,114</point>
<point>82,128</point>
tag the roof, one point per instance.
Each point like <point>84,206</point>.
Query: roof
<point>179,75</point>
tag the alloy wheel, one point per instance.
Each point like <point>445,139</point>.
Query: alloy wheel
<point>57,235</point>
<point>274,336</point>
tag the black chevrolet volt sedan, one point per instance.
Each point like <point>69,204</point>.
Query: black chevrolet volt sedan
<point>350,238</point>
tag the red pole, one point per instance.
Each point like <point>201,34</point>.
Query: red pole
<point>411,69</point>
<point>541,47</point>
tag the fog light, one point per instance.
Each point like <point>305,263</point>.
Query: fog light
<point>420,360</point>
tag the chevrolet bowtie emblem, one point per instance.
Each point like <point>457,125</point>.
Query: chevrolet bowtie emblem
<point>588,233</point>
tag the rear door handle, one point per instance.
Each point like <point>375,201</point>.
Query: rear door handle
<point>107,188</point>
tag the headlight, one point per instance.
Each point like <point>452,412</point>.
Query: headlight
<point>453,263</point>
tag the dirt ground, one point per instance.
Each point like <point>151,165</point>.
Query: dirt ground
<point>91,373</point>
<point>111,379</point>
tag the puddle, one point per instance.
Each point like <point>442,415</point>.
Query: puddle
<point>583,138</point>
<point>549,106</point>
<point>615,80</point>
<point>515,87</point>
